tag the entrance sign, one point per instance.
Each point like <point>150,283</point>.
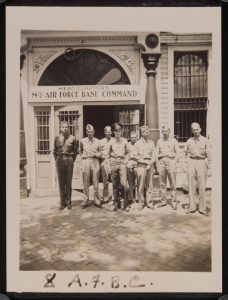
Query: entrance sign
<point>84,93</point>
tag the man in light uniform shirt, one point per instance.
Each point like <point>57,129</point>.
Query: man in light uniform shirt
<point>105,164</point>
<point>198,150</point>
<point>90,152</point>
<point>131,168</point>
<point>146,156</point>
<point>118,152</point>
<point>167,151</point>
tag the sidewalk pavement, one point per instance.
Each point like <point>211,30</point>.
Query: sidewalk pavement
<point>98,239</point>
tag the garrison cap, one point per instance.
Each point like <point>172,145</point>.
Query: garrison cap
<point>89,127</point>
<point>116,126</point>
<point>142,128</point>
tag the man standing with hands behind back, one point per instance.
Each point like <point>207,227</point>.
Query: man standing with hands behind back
<point>65,152</point>
<point>198,150</point>
<point>90,153</point>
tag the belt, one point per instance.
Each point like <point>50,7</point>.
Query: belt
<point>64,154</point>
<point>90,158</point>
<point>198,158</point>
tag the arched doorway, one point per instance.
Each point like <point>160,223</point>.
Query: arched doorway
<point>84,67</point>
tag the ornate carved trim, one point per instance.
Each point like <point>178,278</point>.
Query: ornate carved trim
<point>150,62</point>
<point>82,41</point>
<point>41,58</point>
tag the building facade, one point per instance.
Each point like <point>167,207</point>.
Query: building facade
<point>153,78</point>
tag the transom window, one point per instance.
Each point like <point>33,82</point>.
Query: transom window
<point>190,92</point>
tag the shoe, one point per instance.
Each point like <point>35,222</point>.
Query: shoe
<point>98,205</point>
<point>151,206</point>
<point>69,206</point>
<point>127,209</point>
<point>161,205</point>
<point>140,208</point>
<point>187,212</point>
<point>115,208</point>
<point>83,206</point>
<point>204,213</point>
<point>61,208</point>
<point>174,206</point>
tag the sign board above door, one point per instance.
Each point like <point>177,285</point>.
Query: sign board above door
<point>84,93</point>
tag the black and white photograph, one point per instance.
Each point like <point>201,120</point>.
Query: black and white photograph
<point>117,138</point>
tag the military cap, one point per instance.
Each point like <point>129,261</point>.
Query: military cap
<point>89,127</point>
<point>116,126</point>
<point>144,127</point>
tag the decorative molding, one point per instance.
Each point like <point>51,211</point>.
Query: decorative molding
<point>185,39</point>
<point>41,58</point>
<point>82,41</point>
<point>151,62</point>
<point>128,58</point>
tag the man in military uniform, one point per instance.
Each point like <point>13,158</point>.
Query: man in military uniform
<point>118,151</point>
<point>105,164</point>
<point>145,153</point>
<point>90,153</point>
<point>198,151</point>
<point>167,151</point>
<point>65,152</point>
<point>131,168</point>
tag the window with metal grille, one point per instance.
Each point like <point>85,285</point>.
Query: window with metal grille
<point>71,117</point>
<point>190,92</point>
<point>42,130</point>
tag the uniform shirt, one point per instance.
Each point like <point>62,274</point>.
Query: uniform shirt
<point>65,145</point>
<point>145,151</point>
<point>89,148</point>
<point>104,144</point>
<point>118,148</point>
<point>132,162</point>
<point>167,147</point>
<point>198,147</point>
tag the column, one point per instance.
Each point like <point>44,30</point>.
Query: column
<point>23,161</point>
<point>150,61</point>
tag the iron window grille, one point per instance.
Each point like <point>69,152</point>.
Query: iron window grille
<point>42,130</point>
<point>190,92</point>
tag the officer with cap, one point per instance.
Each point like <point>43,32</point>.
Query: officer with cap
<point>167,150</point>
<point>65,152</point>
<point>146,156</point>
<point>198,151</point>
<point>90,153</point>
<point>118,151</point>
<point>105,164</point>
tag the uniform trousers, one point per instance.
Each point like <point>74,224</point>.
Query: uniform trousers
<point>197,175</point>
<point>167,168</point>
<point>145,184</point>
<point>64,166</point>
<point>105,177</point>
<point>91,170</point>
<point>131,177</point>
<point>119,179</point>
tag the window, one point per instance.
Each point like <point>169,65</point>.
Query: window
<point>190,92</point>
<point>71,117</point>
<point>42,118</point>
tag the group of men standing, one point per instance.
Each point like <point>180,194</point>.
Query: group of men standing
<point>131,166</point>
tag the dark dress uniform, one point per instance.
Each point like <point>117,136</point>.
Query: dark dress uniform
<point>65,152</point>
